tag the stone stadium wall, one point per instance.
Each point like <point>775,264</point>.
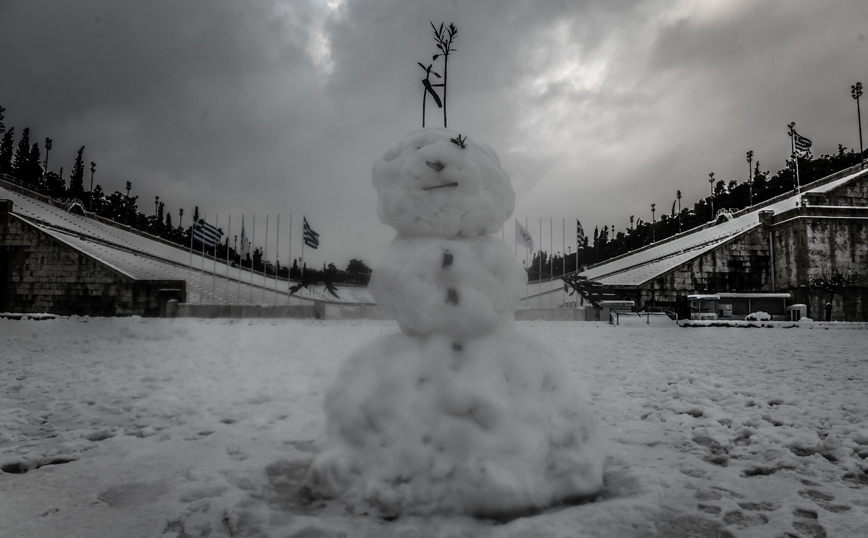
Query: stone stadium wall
<point>39,274</point>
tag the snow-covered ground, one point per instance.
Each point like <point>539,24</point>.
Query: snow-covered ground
<point>151,427</point>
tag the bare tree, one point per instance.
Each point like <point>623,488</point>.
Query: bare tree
<point>428,89</point>
<point>836,283</point>
<point>443,36</point>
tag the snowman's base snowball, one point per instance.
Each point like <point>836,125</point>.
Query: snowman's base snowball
<point>489,427</point>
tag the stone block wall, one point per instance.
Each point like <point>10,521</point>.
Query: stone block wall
<point>820,243</point>
<point>41,274</point>
<point>854,193</point>
<point>741,265</point>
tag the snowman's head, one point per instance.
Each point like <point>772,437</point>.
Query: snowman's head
<point>437,182</point>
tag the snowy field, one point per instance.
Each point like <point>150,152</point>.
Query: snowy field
<point>150,427</point>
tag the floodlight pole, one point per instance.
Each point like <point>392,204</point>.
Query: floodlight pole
<point>711,188</point>
<point>856,92</point>
<point>92,170</point>
<point>48,143</point>
<point>127,205</point>
<point>750,177</point>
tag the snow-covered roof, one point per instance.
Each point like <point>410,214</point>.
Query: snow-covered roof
<point>644,265</point>
<point>143,257</point>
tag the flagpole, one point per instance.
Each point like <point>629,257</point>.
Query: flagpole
<point>202,265</point>
<point>240,261</point>
<point>304,219</point>
<point>539,274</point>
<point>277,257</point>
<point>526,268</point>
<point>252,268</point>
<point>795,160</point>
<point>551,262</point>
<point>214,266</point>
<point>191,246</point>
<point>289,277</point>
<point>265,260</point>
<point>577,247</point>
<point>228,235</point>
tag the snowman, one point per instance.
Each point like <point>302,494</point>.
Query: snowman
<point>458,413</point>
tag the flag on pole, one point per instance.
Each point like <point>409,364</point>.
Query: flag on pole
<point>245,243</point>
<point>580,235</point>
<point>523,236</point>
<point>801,143</point>
<point>311,238</point>
<point>206,234</point>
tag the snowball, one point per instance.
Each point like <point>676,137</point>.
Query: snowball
<point>492,429</point>
<point>478,205</point>
<point>461,287</point>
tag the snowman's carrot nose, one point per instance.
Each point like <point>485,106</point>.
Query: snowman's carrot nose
<point>453,184</point>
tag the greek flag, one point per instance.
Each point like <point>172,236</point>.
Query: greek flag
<point>801,143</point>
<point>206,234</point>
<point>580,235</point>
<point>523,236</point>
<point>311,238</point>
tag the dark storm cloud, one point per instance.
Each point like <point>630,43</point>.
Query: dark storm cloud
<point>596,109</point>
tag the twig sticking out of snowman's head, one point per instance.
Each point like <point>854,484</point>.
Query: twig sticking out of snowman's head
<point>459,141</point>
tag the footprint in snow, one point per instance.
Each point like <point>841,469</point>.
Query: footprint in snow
<point>823,500</point>
<point>805,522</point>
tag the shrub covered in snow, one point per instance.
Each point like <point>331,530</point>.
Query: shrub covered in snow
<point>758,316</point>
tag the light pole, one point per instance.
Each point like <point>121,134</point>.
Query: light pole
<point>750,177</point>
<point>92,170</point>
<point>48,142</point>
<point>653,221</point>
<point>678,195</point>
<point>156,205</point>
<point>127,208</point>
<point>856,92</point>
<point>181,218</point>
<point>711,187</point>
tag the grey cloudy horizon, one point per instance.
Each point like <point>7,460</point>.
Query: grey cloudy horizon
<point>596,109</point>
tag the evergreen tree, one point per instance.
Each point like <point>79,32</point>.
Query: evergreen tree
<point>98,200</point>
<point>168,229</point>
<point>55,186</point>
<point>76,178</point>
<point>22,155</point>
<point>34,167</point>
<point>357,266</point>
<point>6,151</point>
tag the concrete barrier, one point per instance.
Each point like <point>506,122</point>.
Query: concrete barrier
<point>243,311</point>
<point>550,314</point>
<point>334,311</point>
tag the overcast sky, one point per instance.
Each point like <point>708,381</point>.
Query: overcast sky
<point>596,108</point>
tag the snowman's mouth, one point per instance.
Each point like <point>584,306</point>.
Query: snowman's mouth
<point>453,184</point>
